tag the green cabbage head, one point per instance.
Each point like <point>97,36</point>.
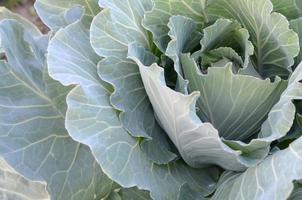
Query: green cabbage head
<point>155,99</point>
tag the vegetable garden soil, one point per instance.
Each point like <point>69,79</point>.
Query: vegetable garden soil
<point>25,8</point>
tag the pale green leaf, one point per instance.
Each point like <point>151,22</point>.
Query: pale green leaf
<point>292,9</point>
<point>279,120</point>
<point>271,179</point>
<point>156,20</point>
<point>71,59</point>
<point>236,105</point>
<point>226,33</point>
<point>275,44</point>
<point>33,137</point>
<point>13,186</point>
<point>6,14</point>
<point>57,14</point>
<point>118,25</point>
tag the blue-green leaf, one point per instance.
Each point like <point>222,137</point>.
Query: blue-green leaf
<point>118,25</point>
<point>13,186</point>
<point>57,14</point>
<point>271,179</point>
<point>33,137</point>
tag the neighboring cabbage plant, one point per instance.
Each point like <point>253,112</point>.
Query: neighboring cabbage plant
<point>155,99</point>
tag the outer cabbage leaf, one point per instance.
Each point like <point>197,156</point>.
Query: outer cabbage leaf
<point>290,8</point>
<point>33,137</point>
<point>157,19</point>
<point>68,51</point>
<point>118,25</point>
<point>271,179</point>
<point>16,187</point>
<point>275,44</point>
<point>59,13</point>
<point>6,14</point>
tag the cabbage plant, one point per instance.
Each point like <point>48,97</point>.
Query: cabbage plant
<point>154,99</point>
